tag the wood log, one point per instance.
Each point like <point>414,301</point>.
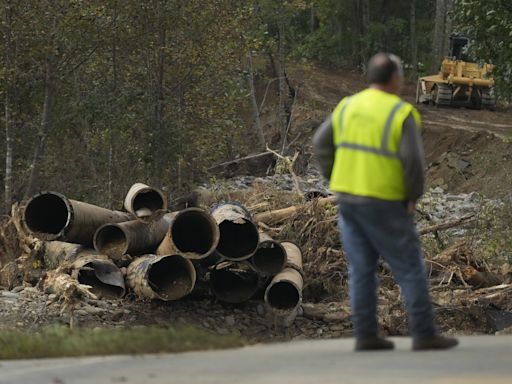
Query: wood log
<point>253,165</point>
<point>447,225</point>
<point>451,255</point>
<point>479,279</point>
<point>279,215</point>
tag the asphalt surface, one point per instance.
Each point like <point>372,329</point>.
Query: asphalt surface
<point>478,359</point>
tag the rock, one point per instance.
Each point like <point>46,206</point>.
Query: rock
<point>93,310</point>
<point>230,320</point>
<point>313,312</point>
<point>260,309</point>
<point>334,317</point>
<point>117,315</point>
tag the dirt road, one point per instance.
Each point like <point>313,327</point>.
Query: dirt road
<point>482,359</point>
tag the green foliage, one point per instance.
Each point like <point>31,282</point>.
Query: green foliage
<point>157,91</point>
<point>489,26</point>
<point>65,342</point>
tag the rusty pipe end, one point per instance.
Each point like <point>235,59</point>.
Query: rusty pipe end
<point>104,277</point>
<point>195,233</point>
<point>284,293</point>
<point>270,258</point>
<point>239,237</point>
<point>111,240</point>
<point>234,285</point>
<point>172,277</point>
<point>47,215</point>
<point>144,201</point>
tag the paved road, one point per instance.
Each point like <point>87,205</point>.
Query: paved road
<point>481,359</point>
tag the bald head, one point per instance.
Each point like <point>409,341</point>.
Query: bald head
<point>385,72</point>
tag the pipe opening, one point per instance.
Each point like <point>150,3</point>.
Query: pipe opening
<point>234,286</point>
<point>47,213</point>
<point>171,277</point>
<point>283,295</point>
<point>194,232</point>
<point>270,258</point>
<point>237,241</point>
<point>149,199</point>
<point>88,277</point>
<point>111,240</point>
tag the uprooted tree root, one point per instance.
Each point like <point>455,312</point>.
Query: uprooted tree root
<point>20,253</point>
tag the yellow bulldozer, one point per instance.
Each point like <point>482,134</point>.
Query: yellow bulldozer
<point>460,82</point>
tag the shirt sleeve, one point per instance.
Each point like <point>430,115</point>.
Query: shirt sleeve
<point>323,147</point>
<point>413,159</point>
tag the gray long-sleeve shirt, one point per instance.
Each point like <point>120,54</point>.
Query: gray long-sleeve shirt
<point>410,153</point>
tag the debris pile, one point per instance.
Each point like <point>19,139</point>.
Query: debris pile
<point>93,252</point>
<point>236,256</point>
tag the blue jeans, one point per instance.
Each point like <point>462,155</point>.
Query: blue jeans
<point>384,228</point>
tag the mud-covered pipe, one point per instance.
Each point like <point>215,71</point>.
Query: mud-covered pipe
<point>87,267</point>
<point>293,254</point>
<point>239,236</point>
<point>52,216</point>
<point>193,233</point>
<point>284,293</point>
<point>270,257</point>
<point>168,277</point>
<point>143,201</point>
<point>133,237</point>
<point>234,282</point>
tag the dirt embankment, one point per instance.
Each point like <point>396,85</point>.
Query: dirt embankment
<point>466,150</point>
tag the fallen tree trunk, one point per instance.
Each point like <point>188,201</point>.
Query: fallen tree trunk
<point>253,165</point>
<point>478,279</point>
<point>447,225</point>
<point>279,215</point>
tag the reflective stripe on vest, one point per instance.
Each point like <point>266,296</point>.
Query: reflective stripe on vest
<point>383,150</point>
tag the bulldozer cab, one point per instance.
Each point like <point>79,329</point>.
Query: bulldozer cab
<point>457,47</point>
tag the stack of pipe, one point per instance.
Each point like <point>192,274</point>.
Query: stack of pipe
<point>166,252</point>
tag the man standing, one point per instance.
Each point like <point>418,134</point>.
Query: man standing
<point>370,148</point>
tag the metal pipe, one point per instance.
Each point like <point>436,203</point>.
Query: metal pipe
<point>239,236</point>
<point>293,254</point>
<point>131,237</point>
<point>270,257</point>
<point>87,267</point>
<point>52,216</point>
<point>234,282</point>
<point>193,233</point>
<point>284,293</point>
<point>168,277</point>
<point>143,201</point>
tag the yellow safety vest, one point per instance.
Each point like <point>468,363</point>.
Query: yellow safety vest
<point>367,130</point>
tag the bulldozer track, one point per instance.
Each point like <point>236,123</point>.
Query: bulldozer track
<point>443,95</point>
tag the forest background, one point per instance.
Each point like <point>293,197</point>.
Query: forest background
<point>99,94</point>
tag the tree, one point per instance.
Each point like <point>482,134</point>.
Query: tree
<point>489,26</point>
